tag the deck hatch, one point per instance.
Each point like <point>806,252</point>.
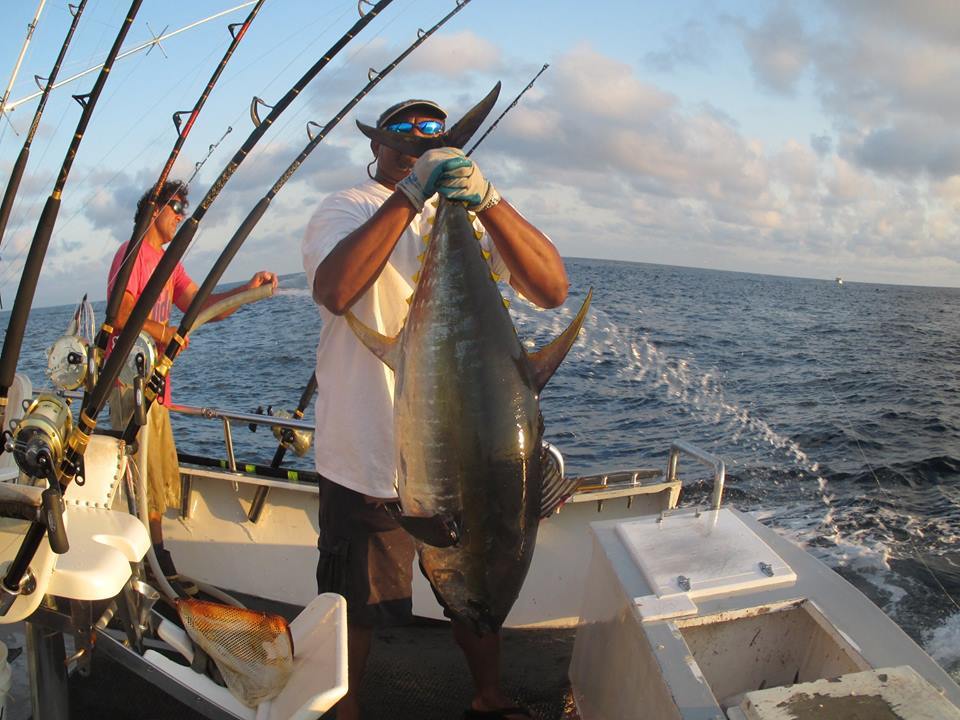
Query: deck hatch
<point>692,554</point>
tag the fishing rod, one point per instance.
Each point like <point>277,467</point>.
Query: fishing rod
<point>145,217</point>
<point>197,166</point>
<point>23,51</point>
<point>95,399</point>
<point>509,108</point>
<point>144,46</point>
<point>39,439</point>
<point>216,272</point>
<point>260,496</point>
<point>16,175</point>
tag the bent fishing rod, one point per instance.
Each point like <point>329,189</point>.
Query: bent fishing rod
<point>146,217</point>
<point>230,250</point>
<point>48,218</point>
<point>148,46</point>
<point>95,399</point>
<point>55,448</point>
<point>16,175</point>
<point>510,107</point>
<point>36,451</point>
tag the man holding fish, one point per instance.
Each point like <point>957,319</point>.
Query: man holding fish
<point>362,254</point>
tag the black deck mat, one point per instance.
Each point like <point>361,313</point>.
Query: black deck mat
<point>414,673</point>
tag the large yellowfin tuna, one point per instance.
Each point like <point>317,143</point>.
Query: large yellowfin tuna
<point>473,479</point>
<point>468,427</point>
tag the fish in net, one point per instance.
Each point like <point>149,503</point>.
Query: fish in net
<point>252,650</point>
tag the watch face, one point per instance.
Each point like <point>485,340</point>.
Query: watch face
<point>67,362</point>
<point>142,358</point>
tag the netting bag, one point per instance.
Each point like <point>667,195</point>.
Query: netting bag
<point>252,650</point>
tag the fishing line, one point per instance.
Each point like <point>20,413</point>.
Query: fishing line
<point>888,497</point>
<point>84,181</point>
<point>304,109</point>
<point>135,156</point>
<point>297,116</point>
<point>152,111</point>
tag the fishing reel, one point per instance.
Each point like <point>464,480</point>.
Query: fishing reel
<point>297,440</point>
<point>141,360</point>
<point>68,362</point>
<point>71,363</point>
<point>39,439</point>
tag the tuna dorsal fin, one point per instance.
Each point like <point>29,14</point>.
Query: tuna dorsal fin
<point>547,359</point>
<point>385,348</point>
<point>555,487</point>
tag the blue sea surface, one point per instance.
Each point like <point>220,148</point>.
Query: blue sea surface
<point>835,407</point>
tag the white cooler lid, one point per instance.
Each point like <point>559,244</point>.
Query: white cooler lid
<point>693,554</point>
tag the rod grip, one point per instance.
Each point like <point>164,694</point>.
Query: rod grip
<point>10,194</point>
<point>25,292</point>
<point>53,519</point>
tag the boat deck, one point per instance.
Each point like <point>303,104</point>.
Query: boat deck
<point>415,673</point>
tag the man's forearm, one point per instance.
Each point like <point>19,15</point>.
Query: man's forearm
<point>359,258</point>
<point>536,269</point>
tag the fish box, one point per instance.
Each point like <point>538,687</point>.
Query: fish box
<point>689,612</point>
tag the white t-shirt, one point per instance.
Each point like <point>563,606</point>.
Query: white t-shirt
<point>354,408</point>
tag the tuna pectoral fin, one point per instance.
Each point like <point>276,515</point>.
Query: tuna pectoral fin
<point>547,359</point>
<point>439,530</point>
<point>556,487</point>
<point>385,348</point>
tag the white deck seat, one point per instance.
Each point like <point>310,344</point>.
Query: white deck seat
<point>319,677</point>
<point>103,543</point>
<point>104,464</point>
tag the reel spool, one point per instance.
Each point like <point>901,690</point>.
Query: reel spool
<point>141,360</point>
<point>40,437</point>
<point>68,362</point>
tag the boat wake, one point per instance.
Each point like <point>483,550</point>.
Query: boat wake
<point>869,537</point>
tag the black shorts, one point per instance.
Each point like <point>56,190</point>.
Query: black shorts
<point>364,556</point>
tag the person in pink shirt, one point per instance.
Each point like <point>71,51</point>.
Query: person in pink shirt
<point>163,475</point>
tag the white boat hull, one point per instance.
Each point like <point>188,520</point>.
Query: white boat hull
<point>276,557</point>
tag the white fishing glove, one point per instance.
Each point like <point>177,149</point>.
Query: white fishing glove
<point>466,184</point>
<point>429,171</point>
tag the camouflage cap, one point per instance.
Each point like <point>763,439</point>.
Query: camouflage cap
<point>395,110</point>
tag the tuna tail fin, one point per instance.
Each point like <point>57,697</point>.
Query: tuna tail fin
<point>548,358</point>
<point>556,488</point>
<point>385,348</point>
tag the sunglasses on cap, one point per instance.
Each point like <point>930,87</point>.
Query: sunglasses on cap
<point>427,127</point>
<point>179,206</point>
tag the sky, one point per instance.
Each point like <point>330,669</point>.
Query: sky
<point>813,139</point>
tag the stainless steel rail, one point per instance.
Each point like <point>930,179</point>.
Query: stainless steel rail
<point>679,447</point>
<point>251,418</point>
<point>598,487</point>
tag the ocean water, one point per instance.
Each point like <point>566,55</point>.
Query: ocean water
<point>835,407</point>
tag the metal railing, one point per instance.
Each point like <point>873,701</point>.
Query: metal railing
<point>596,487</point>
<point>705,458</point>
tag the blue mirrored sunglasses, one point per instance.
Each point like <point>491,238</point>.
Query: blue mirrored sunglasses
<point>427,127</point>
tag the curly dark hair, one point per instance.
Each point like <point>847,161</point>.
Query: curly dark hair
<point>171,189</point>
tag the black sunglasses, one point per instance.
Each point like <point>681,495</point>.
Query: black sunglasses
<point>179,206</point>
